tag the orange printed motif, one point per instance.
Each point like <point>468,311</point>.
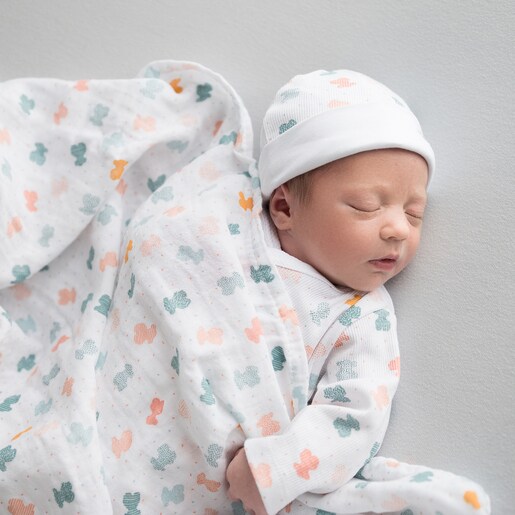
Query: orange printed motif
<point>246,203</point>
<point>21,433</point>
<point>395,366</point>
<point>147,246</point>
<point>308,462</point>
<point>184,412</point>
<point>62,112</point>
<point>254,332</point>
<point>147,124</point>
<point>59,342</point>
<point>127,250</point>
<point>470,497</point>
<point>262,475</point>
<point>381,397</point>
<point>268,425</point>
<point>212,486</point>
<point>81,85</point>
<point>67,296</point>
<point>143,334</point>
<point>119,168</point>
<point>175,85</point>
<point>354,300</point>
<point>290,314</point>
<point>18,507</point>
<point>218,124</point>
<point>156,407</point>
<point>31,197</point>
<point>5,137</point>
<point>213,335</point>
<point>343,82</point>
<point>109,259</point>
<point>14,226</point>
<point>121,445</point>
<point>68,386</point>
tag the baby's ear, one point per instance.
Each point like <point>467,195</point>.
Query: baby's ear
<point>279,208</point>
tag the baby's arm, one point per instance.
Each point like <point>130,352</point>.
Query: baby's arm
<point>242,484</point>
<point>328,441</point>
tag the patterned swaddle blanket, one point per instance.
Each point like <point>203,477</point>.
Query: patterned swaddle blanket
<point>139,326</point>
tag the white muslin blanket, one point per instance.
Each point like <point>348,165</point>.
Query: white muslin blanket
<point>141,335</point>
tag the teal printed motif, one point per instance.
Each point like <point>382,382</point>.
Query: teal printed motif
<point>46,234</point>
<point>165,194</point>
<point>8,402</point>
<point>263,273</point>
<point>131,501</point>
<point>361,485</point>
<point>102,356</point>
<point>323,512</point>
<point>51,375</point>
<point>26,363</point>
<point>234,229</point>
<point>214,453</point>
<point>27,325</point>
<point>20,272</point>
<point>285,126</point>
<point>104,303</point>
<point>226,139</point>
<point>322,312</point>
<point>177,145</point>
<point>348,315</point>
<point>91,257</point>
<point>229,284</point>
<point>43,407</point>
<point>249,377</point>
<point>104,217</point>
<point>56,327</point>
<point>27,104</point>
<point>236,414</point>
<point>207,397</point>
<point>410,512</point>
<point>289,94</point>
<point>152,88</point>
<point>6,169</point>
<point>114,140</point>
<point>89,204</point>
<point>38,156</point>
<point>175,495</point>
<point>346,370</point>
<point>175,361</point>
<point>130,291</point>
<point>344,426</point>
<point>422,477</point>
<point>299,395</point>
<point>165,456</point>
<point>155,185</point>
<point>336,394</point>
<point>121,378</point>
<point>78,151</point>
<point>7,454</point>
<point>179,300</point>
<point>186,253</point>
<point>85,302</point>
<point>382,322</point>
<point>99,113</point>
<point>80,434</point>
<point>278,358</point>
<point>373,452</point>
<point>88,347</point>
<point>203,92</point>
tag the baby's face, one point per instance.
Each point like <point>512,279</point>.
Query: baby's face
<point>362,221</point>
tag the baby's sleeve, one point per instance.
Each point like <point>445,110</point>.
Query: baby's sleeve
<point>329,441</point>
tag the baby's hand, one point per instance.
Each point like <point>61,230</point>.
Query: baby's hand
<point>242,485</point>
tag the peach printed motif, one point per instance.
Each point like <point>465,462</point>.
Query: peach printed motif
<point>154,242</point>
<point>122,444</point>
<point>262,474</point>
<point>60,114</point>
<point>288,314</point>
<point>144,123</point>
<point>343,82</point>
<point>110,259</point>
<point>156,408</point>
<point>255,331</point>
<point>5,137</point>
<point>67,296</point>
<point>14,226</point>
<point>395,366</point>
<point>82,85</point>
<point>213,335</point>
<point>31,197</point>
<point>18,507</point>
<point>212,486</point>
<point>268,425</point>
<point>143,334</point>
<point>308,463</point>
<point>381,397</point>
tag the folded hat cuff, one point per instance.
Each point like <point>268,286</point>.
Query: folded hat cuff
<point>339,133</point>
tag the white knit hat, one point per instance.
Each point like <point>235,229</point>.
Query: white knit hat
<point>323,116</point>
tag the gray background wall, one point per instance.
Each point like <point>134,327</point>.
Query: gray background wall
<point>453,64</point>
